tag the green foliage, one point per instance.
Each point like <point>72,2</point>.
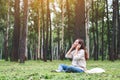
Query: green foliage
<point>97,6</point>
<point>39,70</point>
<point>3,8</point>
<point>3,13</point>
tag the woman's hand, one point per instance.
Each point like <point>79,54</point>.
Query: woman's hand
<point>78,47</point>
<point>73,46</point>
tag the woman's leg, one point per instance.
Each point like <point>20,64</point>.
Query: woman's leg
<point>74,69</point>
<point>62,67</point>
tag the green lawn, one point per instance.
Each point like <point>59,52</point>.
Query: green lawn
<point>39,70</point>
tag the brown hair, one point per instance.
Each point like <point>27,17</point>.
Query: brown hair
<point>83,47</point>
<point>86,54</point>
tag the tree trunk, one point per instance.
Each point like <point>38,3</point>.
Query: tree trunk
<point>93,30</point>
<point>115,26</point>
<point>102,31</point>
<point>50,40</point>
<point>6,33</point>
<point>96,24</point>
<point>62,19</point>
<point>108,28</point>
<point>38,48</point>
<point>118,48</point>
<point>23,36</point>
<point>16,32</point>
<point>68,24</point>
<point>117,30</point>
<point>47,29</point>
<point>79,29</point>
<point>58,44</point>
<point>43,30</point>
<point>87,9</point>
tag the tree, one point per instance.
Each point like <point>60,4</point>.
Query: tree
<point>102,30</point>
<point>108,27</point>
<point>93,31</point>
<point>87,11</point>
<point>38,48</point>
<point>49,32</point>
<point>47,29</point>
<point>79,29</point>
<point>117,30</point>
<point>24,31</point>
<point>43,31</point>
<point>68,22</point>
<point>6,33</point>
<point>118,46</point>
<point>115,25</point>
<point>97,33</point>
<point>63,27</point>
<point>16,32</point>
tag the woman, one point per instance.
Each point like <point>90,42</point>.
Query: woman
<point>78,54</point>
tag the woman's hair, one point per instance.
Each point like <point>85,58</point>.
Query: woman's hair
<point>81,41</point>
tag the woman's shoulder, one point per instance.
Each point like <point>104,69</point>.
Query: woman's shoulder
<point>82,51</point>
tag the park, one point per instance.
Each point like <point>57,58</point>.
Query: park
<point>39,70</point>
<point>36,36</point>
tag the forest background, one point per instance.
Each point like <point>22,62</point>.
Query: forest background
<point>45,29</point>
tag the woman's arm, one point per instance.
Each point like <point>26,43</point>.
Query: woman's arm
<point>69,53</point>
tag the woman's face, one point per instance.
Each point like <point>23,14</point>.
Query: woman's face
<point>76,42</point>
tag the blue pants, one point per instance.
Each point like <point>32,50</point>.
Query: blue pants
<point>63,67</point>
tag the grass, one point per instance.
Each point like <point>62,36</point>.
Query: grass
<point>39,70</point>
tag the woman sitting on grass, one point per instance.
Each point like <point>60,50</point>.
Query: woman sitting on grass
<point>78,54</point>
